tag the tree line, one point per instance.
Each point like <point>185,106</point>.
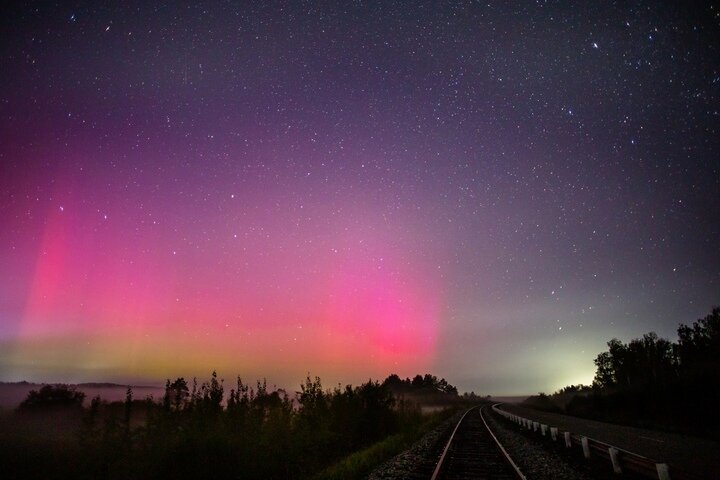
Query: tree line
<point>222,430</point>
<point>652,362</point>
<point>653,382</point>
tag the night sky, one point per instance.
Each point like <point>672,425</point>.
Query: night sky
<point>485,191</point>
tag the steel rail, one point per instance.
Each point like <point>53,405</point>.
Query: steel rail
<point>447,445</point>
<point>505,455</point>
<point>502,449</point>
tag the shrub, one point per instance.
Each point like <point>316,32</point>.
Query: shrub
<point>52,397</point>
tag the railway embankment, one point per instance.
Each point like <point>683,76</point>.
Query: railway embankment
<point>696,456</point>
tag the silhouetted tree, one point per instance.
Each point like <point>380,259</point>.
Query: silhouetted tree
<point>393,381</point>
<point>259,434</point>
<point>128,410</point>
<point>644,362</point>
<point>53,396</point>
<point>376,403</point>
<point>313,403</point>
<point>698,346</point>
<point>652,380</point>
<point>212,394</point>
<point>605,373</point>
<point>176,394</point>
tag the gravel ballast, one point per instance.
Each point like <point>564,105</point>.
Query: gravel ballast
<point>422,457</point>
<point>534,460</point>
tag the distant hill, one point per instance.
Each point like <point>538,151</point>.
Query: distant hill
<point>103,385</point>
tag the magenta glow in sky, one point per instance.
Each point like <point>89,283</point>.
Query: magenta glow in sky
<point>485,192</point>
<point>270,290</point>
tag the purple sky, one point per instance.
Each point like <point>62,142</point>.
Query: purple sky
<point>486,191</point>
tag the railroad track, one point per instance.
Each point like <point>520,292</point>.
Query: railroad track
<point>473,452</point>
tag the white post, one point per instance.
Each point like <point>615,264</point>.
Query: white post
<point>663,471</point>
<point>535,426</point>
<point>553,433</point>
<point>543,429</point>
<point>586,446</point>
<point>614,458</point>
<point>568,443</point>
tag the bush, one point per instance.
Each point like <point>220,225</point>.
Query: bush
<point>52,397</point>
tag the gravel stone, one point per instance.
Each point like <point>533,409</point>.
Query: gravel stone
<point>418,462</point>
<point>532,458</point>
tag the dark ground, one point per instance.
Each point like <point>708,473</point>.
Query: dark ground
<point>695,455</point>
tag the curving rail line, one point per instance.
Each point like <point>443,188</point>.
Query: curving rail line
<point>473,451</point>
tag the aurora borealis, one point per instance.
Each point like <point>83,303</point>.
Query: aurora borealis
<point>485,191</point>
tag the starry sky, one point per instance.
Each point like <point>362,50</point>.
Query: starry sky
<point>488,191</point>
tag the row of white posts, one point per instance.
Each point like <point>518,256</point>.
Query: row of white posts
<point>663,471</point>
